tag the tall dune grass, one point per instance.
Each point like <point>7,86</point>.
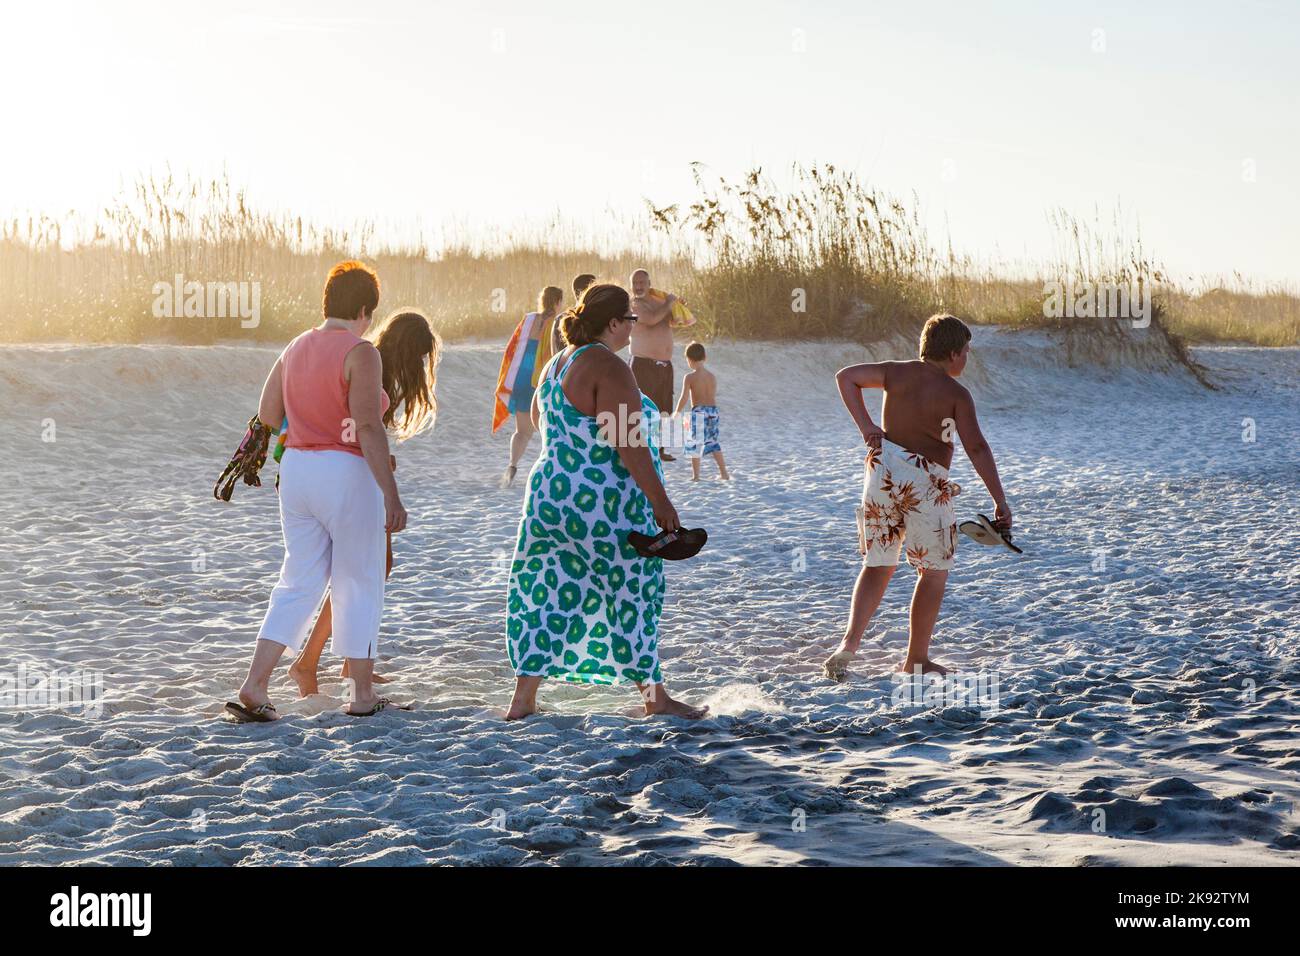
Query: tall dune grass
<point>824,257</point>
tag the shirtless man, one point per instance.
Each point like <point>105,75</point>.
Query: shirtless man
<point>652,346</point>
<point>908,497</point>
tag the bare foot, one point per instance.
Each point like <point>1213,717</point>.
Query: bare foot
<point>836,667</point>
<point>927,667</point>
<point>377,678</point>
<point>305,678</point>
<point>675,708</point>
<point>521,709</point>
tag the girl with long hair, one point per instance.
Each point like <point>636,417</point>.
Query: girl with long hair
<point>529,349</point>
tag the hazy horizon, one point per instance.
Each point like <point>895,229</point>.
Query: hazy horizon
<point>502,114</point>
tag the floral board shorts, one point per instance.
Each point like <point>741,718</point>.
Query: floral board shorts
<point>703,437</point>
<point>907,499</point>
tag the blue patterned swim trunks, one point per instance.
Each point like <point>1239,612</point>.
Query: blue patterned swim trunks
<point>703,437</point>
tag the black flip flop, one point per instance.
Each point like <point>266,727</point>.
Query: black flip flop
<point>669,545</point>
<point>382,704</point>
<point>986,532</point>
<point>250,715</point>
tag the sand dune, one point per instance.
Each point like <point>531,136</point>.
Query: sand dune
<point>1144,646</point>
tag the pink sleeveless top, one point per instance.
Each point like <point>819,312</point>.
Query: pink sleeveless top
<point>316,393</point>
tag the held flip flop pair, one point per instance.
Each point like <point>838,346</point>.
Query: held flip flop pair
<point>985,532</point>
<point>669,545</point>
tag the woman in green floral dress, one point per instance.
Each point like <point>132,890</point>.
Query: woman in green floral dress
<point>583,605</point>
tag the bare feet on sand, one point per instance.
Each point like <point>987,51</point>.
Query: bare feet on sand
<point>656,702</point>
<point>667,707</point>
<point>836,667</point>
<point>519,709</point>
<point>305,678</point>
<point>927,667</point>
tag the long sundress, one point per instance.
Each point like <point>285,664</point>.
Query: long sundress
<point>583,605</point>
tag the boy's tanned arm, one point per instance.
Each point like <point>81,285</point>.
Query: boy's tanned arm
<point>981,456</point>
<point>686,391</point>
<point>851,382</point>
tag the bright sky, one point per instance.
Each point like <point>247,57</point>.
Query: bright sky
<point>491,113</point>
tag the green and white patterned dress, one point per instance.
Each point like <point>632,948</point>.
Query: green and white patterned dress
<point>583,605</point>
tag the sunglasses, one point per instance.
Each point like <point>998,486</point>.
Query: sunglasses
<point>629,318</point>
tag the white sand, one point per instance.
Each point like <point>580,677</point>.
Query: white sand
<point>1121,689</point>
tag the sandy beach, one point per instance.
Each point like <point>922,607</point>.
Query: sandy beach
<point>1143,649</point>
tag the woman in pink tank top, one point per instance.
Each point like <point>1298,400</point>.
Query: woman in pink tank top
<point>410,351</point>
<point>338,494</point>
<point>317,389</point>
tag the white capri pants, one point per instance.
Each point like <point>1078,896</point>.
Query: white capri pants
<point>332,512</point>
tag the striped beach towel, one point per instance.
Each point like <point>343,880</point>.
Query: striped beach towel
<point>513,358</point>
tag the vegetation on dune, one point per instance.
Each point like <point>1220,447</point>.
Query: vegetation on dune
<point>824,257</point>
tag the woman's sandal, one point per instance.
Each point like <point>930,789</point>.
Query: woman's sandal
<point>382,704</point>
<point>251,715</point>
<point>669,545</point>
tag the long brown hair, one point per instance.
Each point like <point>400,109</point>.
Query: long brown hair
<point>549,299</point>
<point>410,350</point>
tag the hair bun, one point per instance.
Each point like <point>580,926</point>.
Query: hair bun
<point>587,321</point>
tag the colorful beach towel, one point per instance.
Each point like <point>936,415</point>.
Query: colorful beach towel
<point>682,317</point>
<point>512,360</point>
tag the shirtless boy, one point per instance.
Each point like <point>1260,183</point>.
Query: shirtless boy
<point>907,500</point>
<point>700,388</point>
<point>652,345</point>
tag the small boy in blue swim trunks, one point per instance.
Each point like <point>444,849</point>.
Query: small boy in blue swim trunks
<point>700,388</point>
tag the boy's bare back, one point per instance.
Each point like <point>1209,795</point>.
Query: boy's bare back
<point>923,409</point>
<point>701,387</point>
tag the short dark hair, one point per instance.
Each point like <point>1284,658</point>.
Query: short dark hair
<point>580,284</point>
<point>351,287</point>
<point>695,352</point>
<point>943,336</point>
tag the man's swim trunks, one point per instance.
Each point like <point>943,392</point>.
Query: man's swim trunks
<point>907,499</point>
<point>655,379</point>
